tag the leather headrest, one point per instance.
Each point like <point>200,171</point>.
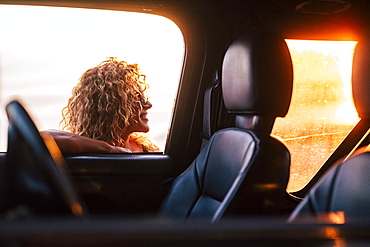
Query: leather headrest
<point>257,75</point>
<point>361,79</point>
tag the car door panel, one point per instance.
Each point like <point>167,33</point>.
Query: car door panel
<point>121,183</point>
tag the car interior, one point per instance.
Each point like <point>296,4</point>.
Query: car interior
<point>231,171</point>
<point>211,186</point>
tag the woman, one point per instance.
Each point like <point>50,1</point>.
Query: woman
<point>108,105</point>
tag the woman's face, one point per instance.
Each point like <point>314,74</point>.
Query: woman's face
<point>142,121</point>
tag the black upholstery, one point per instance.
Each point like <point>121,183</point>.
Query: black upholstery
<point>344,188</point>
<point>242,170</point>
<point>361,78</point>
<point>257,76</point>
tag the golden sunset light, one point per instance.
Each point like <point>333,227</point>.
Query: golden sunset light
<point>322,111</point>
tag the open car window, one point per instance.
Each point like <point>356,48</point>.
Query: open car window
<point>44,50</point>
<point>322,111</point>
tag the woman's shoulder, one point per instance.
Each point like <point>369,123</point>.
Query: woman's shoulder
<point>145,141</point>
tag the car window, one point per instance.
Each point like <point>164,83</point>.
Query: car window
<point>44,50</point>
<point>322,111</point>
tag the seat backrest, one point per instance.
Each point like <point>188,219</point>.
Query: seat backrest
<point>344,191</point>
<point>345,187</point>
<point>242,170</point>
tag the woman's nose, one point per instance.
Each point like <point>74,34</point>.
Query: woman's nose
<point>147,105</point>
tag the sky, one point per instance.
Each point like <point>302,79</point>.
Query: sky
<point>44,50</point>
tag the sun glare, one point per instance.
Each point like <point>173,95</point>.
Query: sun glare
<point>343,52</point>
<point>322,111</point>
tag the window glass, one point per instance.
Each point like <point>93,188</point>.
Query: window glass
<point>322,112</point>
<point>44,50</point>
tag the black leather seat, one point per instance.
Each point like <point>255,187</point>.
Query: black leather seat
<point>346,187</point>
<point>242,170</point>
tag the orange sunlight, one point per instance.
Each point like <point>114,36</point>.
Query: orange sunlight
<point>322,111</point>
<point>343,51</point>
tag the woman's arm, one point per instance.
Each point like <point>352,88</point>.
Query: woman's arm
<point>72,143</point>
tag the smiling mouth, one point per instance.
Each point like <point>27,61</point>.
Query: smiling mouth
<point>144,116</point>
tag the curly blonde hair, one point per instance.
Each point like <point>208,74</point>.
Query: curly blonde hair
<point>104,102</point>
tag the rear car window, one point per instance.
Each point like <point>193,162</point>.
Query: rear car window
<point>44,50</point>
<point>322,111</point>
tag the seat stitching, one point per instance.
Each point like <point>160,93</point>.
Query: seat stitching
<point>235,185</point>
<point>332,187</point>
